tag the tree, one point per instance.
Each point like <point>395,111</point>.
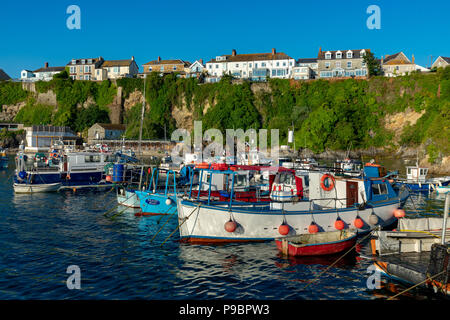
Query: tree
<point>373,64</point>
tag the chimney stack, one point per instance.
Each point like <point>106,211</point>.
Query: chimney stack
<point>159,59</point>
<point>132,58</point>
<point>201,61</point>
<point>413,59</point>
<point>233,53</point>
<point>46,65</point>
<point>274,51</point>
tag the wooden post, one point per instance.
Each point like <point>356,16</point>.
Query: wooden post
<point>284,247</point>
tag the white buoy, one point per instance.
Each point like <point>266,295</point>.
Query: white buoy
<point>373,219</point>
<point>168,201</point>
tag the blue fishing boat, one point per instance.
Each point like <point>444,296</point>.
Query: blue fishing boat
<point>74,170</point>
<point>3,159</point>
<point>417,181</point>
<point>158,200</point>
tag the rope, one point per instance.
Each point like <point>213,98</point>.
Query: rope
<point>348,251</point>
<point>180,224</point>
<point>428,278</point>
<point>170,216</point>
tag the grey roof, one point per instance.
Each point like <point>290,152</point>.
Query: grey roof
<point>4,76</point>
<point>447,59</point>
<point>50,69</point>
<point>307,60</point>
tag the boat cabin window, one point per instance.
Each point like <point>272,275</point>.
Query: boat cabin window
<point>91,159</point>
<point>423,172</point>
<point>240,180</point>
<point>379,189</point>
<point>409,171</point>
<point>284,178</point>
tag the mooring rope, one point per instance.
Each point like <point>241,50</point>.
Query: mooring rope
<point>428,278</point>
<point>348,251</point>
<point>180,224</point>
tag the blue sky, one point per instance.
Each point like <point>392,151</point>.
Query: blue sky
<point>35,32</point>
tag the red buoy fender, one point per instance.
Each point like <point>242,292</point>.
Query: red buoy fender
<point>330,185</point>
<point>313,228</point>
<point>339,224</point>
<point>230,226</point>
<point>358,223</point>
<point>283,229</point>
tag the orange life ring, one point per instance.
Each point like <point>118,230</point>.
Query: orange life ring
<point>330,185</point>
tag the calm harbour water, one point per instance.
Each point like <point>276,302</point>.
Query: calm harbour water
<point>42,234</point>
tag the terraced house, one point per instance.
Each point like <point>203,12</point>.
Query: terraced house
<point>254,66</point>
<point>115,69</point>
<point>84,69</point>
<point>342,64</point>
<point>167,66</point>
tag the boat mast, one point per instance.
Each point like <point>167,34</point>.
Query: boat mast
<point>142,121</point>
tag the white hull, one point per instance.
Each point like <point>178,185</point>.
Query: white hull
<point>128,199</point>
<point>443,190</point>
<point>207,223</point>
<point>35,188</point>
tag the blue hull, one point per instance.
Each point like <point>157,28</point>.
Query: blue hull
<point>155,203</point>
<point>423,187</point>
<point>76,179</point>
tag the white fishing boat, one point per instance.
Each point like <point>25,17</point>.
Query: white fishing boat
<point>442,189</point>
<point>36,188</point>
<point>334,203</point>
<point>127,197</point>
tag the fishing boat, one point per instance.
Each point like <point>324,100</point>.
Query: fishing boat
<point>3,159</point>
<point>317,244</point>
<point>74,170</point>
<point>417,181</point>
<point>349,167</point>
<point>157,200</point>
<point>36,188</point>
<point>443,189</point>
<point>334,203</point>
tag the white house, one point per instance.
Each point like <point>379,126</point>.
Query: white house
<point>195,69</point>
<point>302,73</point>
<point>441,62</point>
<point>47,73</point>
<point>27,75</point>
<point>254,66</point>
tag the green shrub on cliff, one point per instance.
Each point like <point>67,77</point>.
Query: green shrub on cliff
<point>35,114</point>
<point>12,93</point>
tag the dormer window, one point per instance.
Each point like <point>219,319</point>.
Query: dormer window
<point>328,55</point>
<point>74,61</point>
<point>89,61</point>
<point>338,55</point>
<point>362,53</point>
<point>83,61</point>
<point>349,54</point>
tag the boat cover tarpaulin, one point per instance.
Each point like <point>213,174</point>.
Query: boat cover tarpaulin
<point>422,224</point>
